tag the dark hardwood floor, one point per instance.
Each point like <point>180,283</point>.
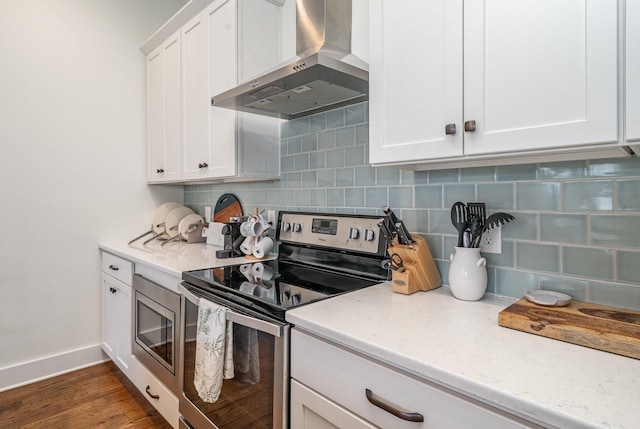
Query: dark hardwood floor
<point>99,396</point>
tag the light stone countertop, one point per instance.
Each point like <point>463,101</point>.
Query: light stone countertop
<point>173,258</point>
<point>459,345</point>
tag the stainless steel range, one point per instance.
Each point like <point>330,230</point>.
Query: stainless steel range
<point>319,255</point>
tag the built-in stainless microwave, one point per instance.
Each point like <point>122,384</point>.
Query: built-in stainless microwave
<point>156,330</point>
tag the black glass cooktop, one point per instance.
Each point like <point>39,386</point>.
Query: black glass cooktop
<point>272,287</point>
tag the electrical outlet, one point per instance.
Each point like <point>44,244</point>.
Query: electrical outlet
<point>271,217</point>
<point>491,241</point>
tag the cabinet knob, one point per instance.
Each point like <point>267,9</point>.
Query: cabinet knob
<point>470,126</point>
<point>450,129</point>
<point>160,170</point>
<point>112,290</point>
<point>203,165</point>
<point>114,267</point>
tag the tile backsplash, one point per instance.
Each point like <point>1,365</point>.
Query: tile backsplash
<point>577,226</point>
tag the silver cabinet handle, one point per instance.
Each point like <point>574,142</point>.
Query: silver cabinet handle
<point>470,126</point>
<point>392,409</point>
<point>450,129</point>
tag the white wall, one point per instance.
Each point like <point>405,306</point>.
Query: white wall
<point>72,163</point>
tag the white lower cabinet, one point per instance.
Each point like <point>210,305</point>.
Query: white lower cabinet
<point>116,310</point>
<point>156,393</point>
<point>335,388</point>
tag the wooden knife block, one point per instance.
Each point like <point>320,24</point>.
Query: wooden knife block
<point>420,271</point>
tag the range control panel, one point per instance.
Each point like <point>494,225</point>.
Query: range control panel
<point>338,231</point>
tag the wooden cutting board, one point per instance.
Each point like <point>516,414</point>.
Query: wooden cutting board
<point>614,330</point>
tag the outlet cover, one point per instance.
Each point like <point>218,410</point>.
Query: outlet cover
<point>491,241</point>
<point>271,217</point>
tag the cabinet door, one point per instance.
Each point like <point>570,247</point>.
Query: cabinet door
<point>632,84</point>
<point>116,321</point>
<point>196,100</point>
<point>221,18</point>
<point>164,137</point>
<point>310,410</point>
<point>539,74</point>
<point>415,79</point>
<point>259,31</point>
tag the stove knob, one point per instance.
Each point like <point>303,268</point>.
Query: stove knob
<point>369,235</point>
<point>286,226</point>
<point>284,296</point>
<point>354,233</point>
<point>297,227</point>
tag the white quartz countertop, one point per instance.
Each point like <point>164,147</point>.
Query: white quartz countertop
<point>460,345</point>
<point>173,258</point>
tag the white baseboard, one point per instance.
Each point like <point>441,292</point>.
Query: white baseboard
<point>50,366</point>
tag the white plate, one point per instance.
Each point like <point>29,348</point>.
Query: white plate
<point>160,216</point>
<point>174,218</point>
<point>186,222</point>
<point>548,297</point>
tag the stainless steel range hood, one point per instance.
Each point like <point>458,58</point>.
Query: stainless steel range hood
<point>316,82</point>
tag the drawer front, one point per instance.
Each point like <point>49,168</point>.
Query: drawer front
<point>344,377</point>
<point>156,393</point>
<point>117,267</point>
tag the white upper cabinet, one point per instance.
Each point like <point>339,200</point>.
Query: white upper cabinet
<point>266,36</point>
<point>209,143</point>
<point>164,93</point>
<point>540,74</point>
<point>632,72</point>
<point>491,78</point>
<point>415,79</point>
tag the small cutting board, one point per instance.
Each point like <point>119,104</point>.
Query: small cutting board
<point>614,330</point>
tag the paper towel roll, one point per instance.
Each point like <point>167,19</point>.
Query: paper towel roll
<point>247,245</point>
<point>262,247</point>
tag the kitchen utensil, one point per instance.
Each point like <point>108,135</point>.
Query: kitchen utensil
<point>188,224</point>
<point>227,206</point>
<point>158,220</point>
<point>173,220</point>
<point>614,330</point>
<point>398,225</point>
<point>548,297</point>
<point>403,235</point>
<point>479,210</point>
<point>393,263</point>
<point>385,231</point>
<point>475,230</point>
<point>497,219</point>
<point>466,238</point>
<point>459,219</point>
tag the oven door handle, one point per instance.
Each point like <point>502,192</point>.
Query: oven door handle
<point>241,319</point>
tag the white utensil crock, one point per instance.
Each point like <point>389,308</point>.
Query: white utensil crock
<point>467,274</point>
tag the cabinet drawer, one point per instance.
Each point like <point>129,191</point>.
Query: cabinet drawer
<point>156,393</point>
<point>117,267</point>
<point>344,377</point>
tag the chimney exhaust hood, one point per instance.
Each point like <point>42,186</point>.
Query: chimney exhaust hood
<point>319,80</point>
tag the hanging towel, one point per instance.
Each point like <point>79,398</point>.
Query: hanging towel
<point>246,356</point>
<point>214,345</point>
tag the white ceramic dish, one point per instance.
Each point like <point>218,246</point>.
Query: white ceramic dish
<point>548,297</point>
<point>160,216</point>
<point>188,221</point>
<point>173,220</point>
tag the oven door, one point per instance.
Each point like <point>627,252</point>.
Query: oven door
<point>260,400</point>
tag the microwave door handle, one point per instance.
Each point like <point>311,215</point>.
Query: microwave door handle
<point>241,319</point>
